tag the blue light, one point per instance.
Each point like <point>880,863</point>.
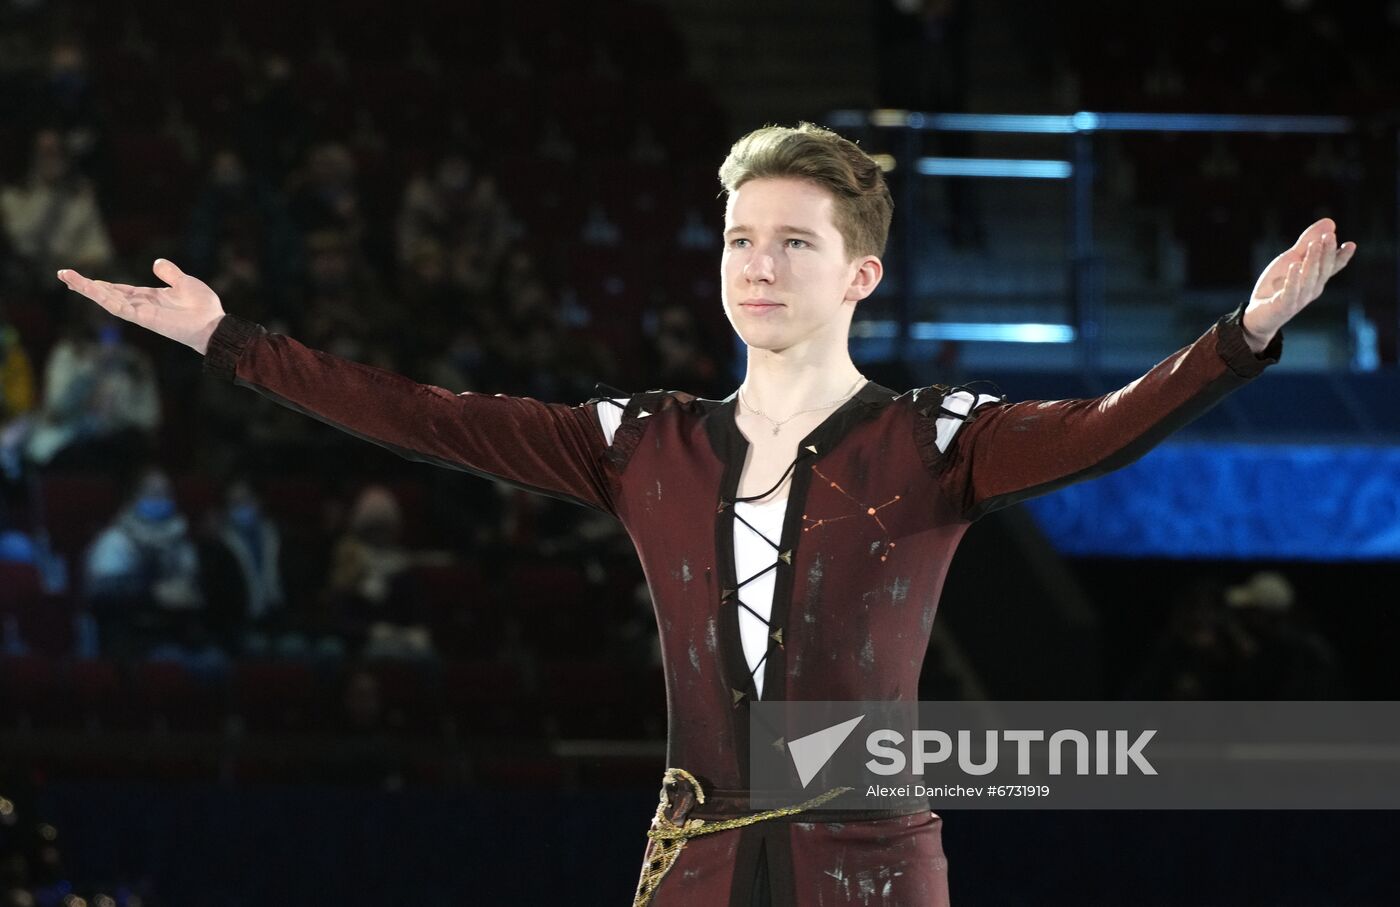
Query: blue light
<point>1221,122</point>
<point>999,122</point>
<point>1012,168</point>
<point>1088,121</point>
<point>966,331</point>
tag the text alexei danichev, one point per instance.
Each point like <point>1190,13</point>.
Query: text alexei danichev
<point>952,791</point>
<point>923,790</point>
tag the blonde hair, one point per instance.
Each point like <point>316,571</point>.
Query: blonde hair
<point>806,151</point>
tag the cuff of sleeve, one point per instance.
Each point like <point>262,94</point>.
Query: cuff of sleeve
<point>1234,349</point>
<point>226,345</point>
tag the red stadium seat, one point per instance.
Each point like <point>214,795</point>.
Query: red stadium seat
<point>46,625</point>
<point>295,500</point>
<point>196,495</point>
<point>275,695</point>
<point>28,689</point>
<point>95,691</point>
<point>75,508</point>
<point>588,699</point>
<point>167,694</point>
<point>487,698</point>
<point>449,587</point>
<point>410,695</point>
<point>19,586</point>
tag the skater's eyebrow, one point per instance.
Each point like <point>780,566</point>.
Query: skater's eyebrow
<point>785,228</point>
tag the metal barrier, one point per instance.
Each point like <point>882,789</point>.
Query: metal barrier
<point>1086,267</point>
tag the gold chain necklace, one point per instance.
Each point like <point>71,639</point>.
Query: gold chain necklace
<point>777,425</point>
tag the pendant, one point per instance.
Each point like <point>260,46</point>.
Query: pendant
<point>775,428</point>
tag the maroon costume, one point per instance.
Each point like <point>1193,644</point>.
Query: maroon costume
<point>876,509</point>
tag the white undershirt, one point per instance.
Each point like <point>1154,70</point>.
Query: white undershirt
<point>752,554</point>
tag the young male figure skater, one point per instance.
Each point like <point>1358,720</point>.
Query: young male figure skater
<point>795,535</point>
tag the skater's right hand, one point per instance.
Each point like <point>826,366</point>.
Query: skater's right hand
<point>186,311</point>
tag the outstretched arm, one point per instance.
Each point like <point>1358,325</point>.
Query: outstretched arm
<point>548,448</point>
<point>1005,453</point>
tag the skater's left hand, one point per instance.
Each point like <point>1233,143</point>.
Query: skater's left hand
<point>1293,280</point>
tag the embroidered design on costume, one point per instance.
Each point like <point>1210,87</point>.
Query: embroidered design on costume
<point>861,509</point>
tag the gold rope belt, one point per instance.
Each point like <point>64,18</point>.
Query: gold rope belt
<point>669,838</point>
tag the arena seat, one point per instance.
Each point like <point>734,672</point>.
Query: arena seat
<point>167,694</point>
<point>75,508</point>
<point>490,698</point>
<point>95,692</point>
<point>275,695</point>
<point>28,688</point>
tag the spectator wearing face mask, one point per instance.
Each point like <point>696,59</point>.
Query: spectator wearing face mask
<point>241,567</point>
<point>141,573</point>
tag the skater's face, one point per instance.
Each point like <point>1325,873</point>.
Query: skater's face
<point>785,273</point>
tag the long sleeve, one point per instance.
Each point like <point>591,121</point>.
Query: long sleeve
<point>548,448</point>
<point>1008,452</point>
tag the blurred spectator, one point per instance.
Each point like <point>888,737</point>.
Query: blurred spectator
<point>1244,642</point>
<point>681,357</point>
<point>141,573</point>
<point>364,716</point>
<point>241,568</point>
<point>101,403</point>
<point>16,373</point>
<point>51,219</point>
<point>645,148</point>
<point>435,204</point>
<point>695,234</point>
<point>487,221</point>
<point>1282,657</point>
<point>371,593</point>
<point>362,705</point>
<point>458,366</point>
<point>555,145</point>
<point>1163,81</point>
<point>68,105</point>
<point>343,296</point>
<point>276,131</point>
<point>429,301</point>
<point>601,64</point>
<point>232,50</point>
<point>239,218</point>
<point>599,229</point>
<point>1197,657</point>
<point>324,195</point>
<point>16,547</point>
<point>512,62</point>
